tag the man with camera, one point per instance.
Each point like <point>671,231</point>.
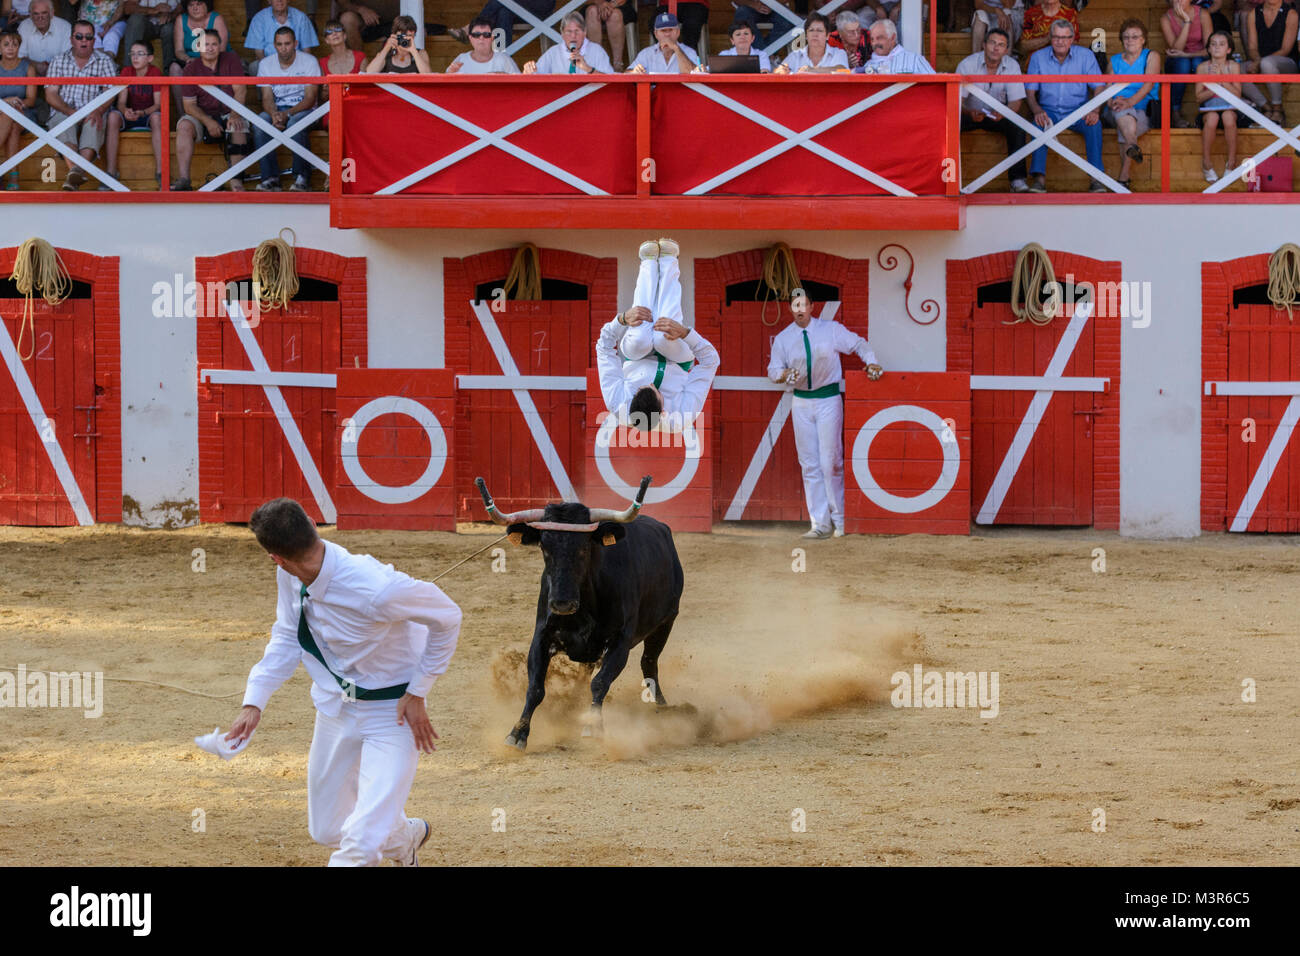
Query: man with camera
<point>399,54</point>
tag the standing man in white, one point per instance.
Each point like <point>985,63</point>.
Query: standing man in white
<point>806,358</point>
<point>650,364</point>
<point>374,640</point>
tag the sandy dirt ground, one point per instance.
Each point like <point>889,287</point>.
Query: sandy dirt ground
<point>1118,691</point>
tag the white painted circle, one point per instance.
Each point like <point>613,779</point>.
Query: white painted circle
<point>655,495</point>
<point>389,494</point>
<point>862,459</point>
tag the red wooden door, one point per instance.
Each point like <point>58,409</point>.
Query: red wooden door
<point>1262,347</point>
<point>62,374</point>
<point>495,439</point>
<point>1054,483</point>
<point>257,460</point>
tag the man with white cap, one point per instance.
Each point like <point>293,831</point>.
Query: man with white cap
<point>373,641</point>
<point>806,358</point>
<point>665,55</point>
<point>653,369</point>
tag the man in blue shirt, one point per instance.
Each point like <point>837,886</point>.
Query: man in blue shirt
<point>1051,102</point>
<point>262,28</point>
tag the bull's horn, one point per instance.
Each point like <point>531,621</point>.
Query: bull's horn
<point>533,514</point>
<point>623,517</point>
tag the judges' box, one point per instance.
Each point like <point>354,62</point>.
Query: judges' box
<point>394,445</point>
<point>907,453</point>
<point>681,464</point>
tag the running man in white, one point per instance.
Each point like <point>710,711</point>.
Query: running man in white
<point>806,357</point>
<point>645,355</point>
<point>373,640</point>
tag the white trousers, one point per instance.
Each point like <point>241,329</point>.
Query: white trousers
<point>659,289</point>
<point>359,774</point>
<point>819,439</point>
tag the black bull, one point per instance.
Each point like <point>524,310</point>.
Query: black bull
<point>609,583</point>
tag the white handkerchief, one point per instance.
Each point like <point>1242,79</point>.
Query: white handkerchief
<point>214,743</point>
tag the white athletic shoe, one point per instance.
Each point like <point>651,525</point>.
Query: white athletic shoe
<point>837,533</point>
<point>816,535</point>
<point>649,250</point>
<point>418,831</point>
<point>668,247</point>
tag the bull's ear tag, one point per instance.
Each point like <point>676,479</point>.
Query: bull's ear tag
<point>608,539</point>
<point>516,537</point>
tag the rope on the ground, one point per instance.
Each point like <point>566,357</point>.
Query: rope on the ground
<point>780,278</point>
<point>1033,282</point>
<point>1284,278</point>
<point>38,269</point>
<point>525,276</point>
<point>275,272</point>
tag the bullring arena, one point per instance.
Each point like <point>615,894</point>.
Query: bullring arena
<point>1089,510</point>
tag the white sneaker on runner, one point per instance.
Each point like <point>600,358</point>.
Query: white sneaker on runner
<point>418,832</point>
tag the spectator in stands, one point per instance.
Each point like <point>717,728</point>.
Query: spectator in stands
<point>850,37</point>
<point>614,15</point>
<point>151,20</point>
<point>44,36</point>
<point>138,107</point>
<point>206,119</point>
<point>106,15</point>
<point>887,56</point>
<point>1127,110</point>
<point>367,22</point>
<point>742,44</point>
<point>1007,15</point>
<point>13,12</point>
<point>482,58</point>
<point>264,27</point>
<point>976,114</point>
<point>1214,109</point>
<point>1270,49</point>
<point>692,15</point>
<point>19,97</point>
<point>284,106</point>
<point>876,11</point>
<point>752,11</point>
<point>503,18</point>
<point>83,60</point>
<point>341,59</point>
<point>818,56</point>
<point>1037,29</point>
<point>188,41</point>
<point>1051,102</point>
<point>665,55</point>
<point>577,55</point>
<point>1185,26</point>
<point>399,54</point>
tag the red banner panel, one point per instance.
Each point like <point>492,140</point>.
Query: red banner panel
<point>681,495</point>
<point>698,140</point>
<point>907,453</point>
<point>590,136</point>
<point>395,449</point>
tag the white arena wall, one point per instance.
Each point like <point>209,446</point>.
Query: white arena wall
<point>1163,245</point>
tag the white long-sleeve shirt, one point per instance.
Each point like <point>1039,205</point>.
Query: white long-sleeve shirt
<point>828,340</point>
<point>375,626</point>
<point>619,383</point>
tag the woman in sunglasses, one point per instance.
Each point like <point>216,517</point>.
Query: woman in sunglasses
<point>482,57</point>
<point>340,60</point>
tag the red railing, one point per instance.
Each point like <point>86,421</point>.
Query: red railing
<point>637,106</point>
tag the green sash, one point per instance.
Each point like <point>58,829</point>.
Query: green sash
<point>350,689</point>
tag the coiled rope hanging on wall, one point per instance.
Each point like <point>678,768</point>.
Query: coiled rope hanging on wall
<point>38,268</point>
<point>525,276</point>
<point>780,278</point>
<point>1284,278</point>
<point>275,272</point>
<point>1032,276</point>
